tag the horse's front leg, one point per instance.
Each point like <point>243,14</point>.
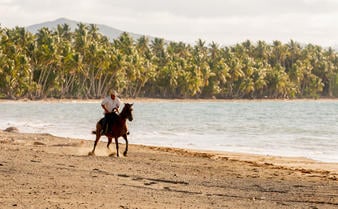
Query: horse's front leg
<point>117,147</point>
<point>126,150</point>
<point>109,141</point>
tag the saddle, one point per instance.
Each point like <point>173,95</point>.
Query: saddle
<point>107,121</point>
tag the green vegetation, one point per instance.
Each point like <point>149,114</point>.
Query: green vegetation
<point>85,64</point>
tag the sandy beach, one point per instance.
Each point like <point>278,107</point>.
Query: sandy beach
<point>44,171</point>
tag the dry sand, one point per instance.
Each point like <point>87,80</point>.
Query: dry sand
<point>44,171</point>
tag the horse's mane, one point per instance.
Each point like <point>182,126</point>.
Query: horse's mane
<point>125,109</point>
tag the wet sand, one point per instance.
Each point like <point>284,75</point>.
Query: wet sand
<point>44,171</point>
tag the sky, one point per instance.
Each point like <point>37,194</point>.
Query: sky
<point>221,21</point>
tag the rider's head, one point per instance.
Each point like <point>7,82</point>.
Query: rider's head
<point>113,93</point>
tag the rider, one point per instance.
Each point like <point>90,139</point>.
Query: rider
<point>110,105</point>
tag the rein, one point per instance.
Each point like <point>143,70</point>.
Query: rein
<point>124,113</point>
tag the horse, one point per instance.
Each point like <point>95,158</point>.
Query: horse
<point>119,128</point>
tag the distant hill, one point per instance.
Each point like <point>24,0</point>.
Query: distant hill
<point>110,32</point>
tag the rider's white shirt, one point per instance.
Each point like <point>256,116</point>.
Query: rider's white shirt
<point>111,104</point>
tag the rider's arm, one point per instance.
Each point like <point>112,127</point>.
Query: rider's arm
<point>118,104</point>
<point>103,105</point>
<point>105,109</point>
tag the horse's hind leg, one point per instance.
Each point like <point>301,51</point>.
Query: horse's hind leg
<point>126,150</point>
<point>98,135</point>
<point>117,147</point>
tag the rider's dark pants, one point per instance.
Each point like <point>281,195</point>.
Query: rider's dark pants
<point>108,121</point>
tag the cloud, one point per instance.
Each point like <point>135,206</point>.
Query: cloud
<point>224,21</point>
<point>226,8</point>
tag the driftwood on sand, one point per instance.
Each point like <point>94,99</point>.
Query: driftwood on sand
<point>12,129</point>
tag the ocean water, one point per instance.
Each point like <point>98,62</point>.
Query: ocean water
<point>281,128</point>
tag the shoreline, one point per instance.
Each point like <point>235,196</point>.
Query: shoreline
<point>282,162</point>
<point>41,170</point>
<point>286,162</point>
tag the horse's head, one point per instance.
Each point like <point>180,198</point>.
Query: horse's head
<point>127,111</point>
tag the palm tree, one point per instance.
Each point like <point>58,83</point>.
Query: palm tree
<point>158,49</point>
<point>159,60</point>
<point>146,69</point>
<point>278,83</point>
<point>332,72</point>
<point>15,69</point>
<point>259,79</point>
<point>45,62</point>
<point>278,54</point>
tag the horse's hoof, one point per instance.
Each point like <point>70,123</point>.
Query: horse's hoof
<point>125,154</point>
<point>91,154</point>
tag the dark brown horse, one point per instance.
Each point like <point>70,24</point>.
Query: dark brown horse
<point>119,128</point>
